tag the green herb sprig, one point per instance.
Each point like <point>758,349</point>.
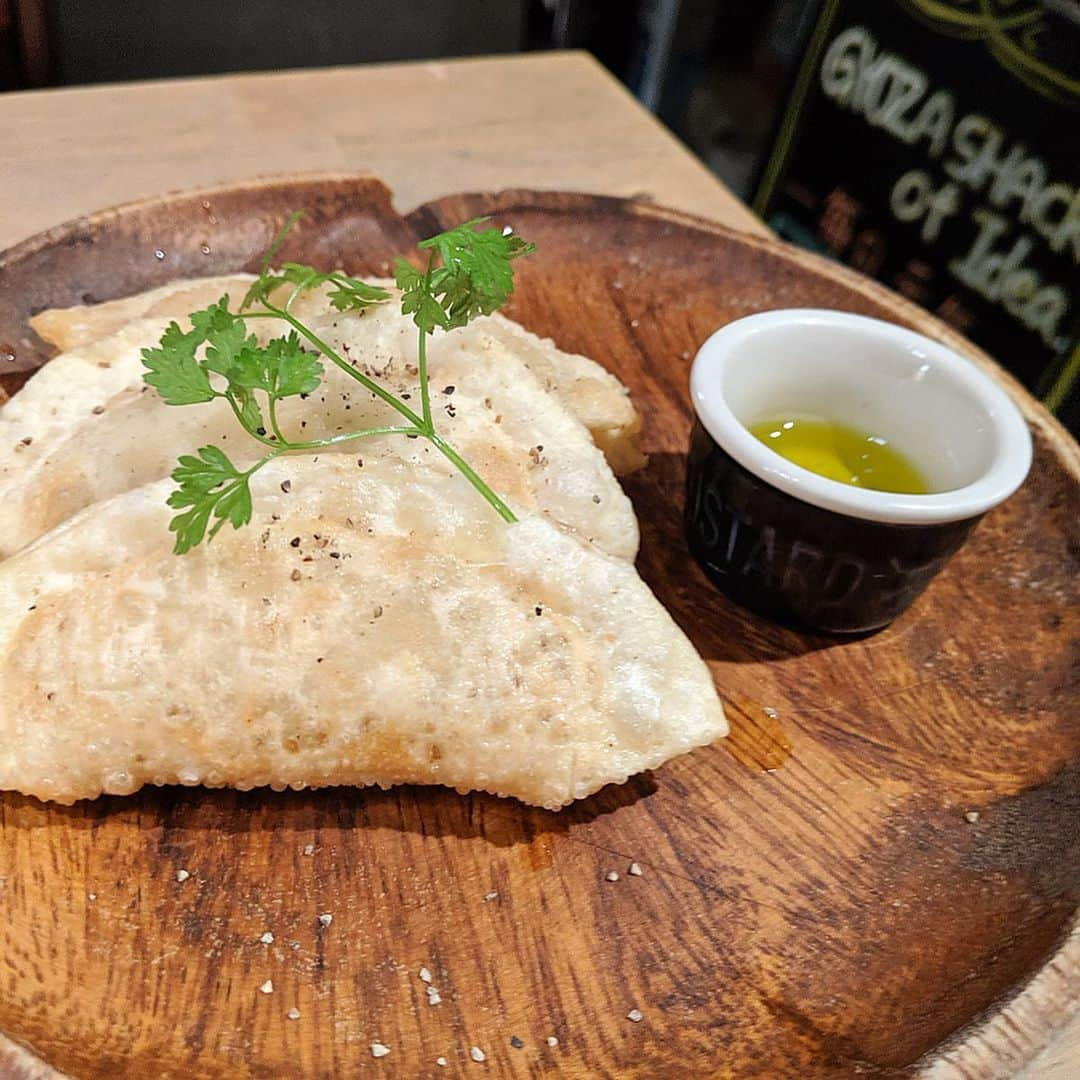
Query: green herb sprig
<point>468,273</point>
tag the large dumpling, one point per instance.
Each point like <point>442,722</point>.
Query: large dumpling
<point>592,394</point>
<point>375,625</point>
<point>86,427</point>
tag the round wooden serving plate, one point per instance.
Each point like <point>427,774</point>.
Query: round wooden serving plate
<point>877,874</point>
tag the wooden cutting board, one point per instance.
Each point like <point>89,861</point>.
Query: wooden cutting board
<point>877,874</point>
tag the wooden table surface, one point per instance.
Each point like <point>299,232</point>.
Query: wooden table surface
<point>542,120</point>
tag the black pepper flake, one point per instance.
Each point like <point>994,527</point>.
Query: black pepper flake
<point>596,498</point>
<point>451,411</point>
<point>286,486</point>
<point>294,542</point>
<point>412,436</point>
<point>539,610</point>
<point>448,390</point>
<point>295,575</point>
<point>359,462</point>
<point>260,430</point>
<point>97,410</point>
<point>515,1042</point>
<point>32,607</point>
<point>406,397</point>
<point>27,441</point>
<point>318,660</point>
<point>335,554</point>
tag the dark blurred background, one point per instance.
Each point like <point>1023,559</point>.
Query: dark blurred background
<point>742,83</point>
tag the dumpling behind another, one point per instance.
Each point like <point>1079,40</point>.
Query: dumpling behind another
<point>78,432</point>
<point>589,391</point>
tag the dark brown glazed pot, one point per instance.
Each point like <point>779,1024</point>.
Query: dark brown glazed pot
<point>797,563</point>
<point>797,546</point>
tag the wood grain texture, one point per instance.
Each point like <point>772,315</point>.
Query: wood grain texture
<point>837,915</point>
<point>539,120</point>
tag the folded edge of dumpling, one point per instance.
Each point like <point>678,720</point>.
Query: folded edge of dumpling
<point>375,626</point>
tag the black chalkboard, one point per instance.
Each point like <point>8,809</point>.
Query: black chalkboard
<point>935,145</point>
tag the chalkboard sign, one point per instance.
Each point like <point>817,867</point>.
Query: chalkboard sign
<point>935,145</point>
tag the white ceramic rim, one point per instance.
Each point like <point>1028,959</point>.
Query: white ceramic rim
<point>1006,471</point>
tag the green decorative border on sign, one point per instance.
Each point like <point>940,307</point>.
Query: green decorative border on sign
<point>786,135</point>
<point>1011,37</point>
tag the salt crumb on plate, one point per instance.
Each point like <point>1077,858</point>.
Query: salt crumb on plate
<point>326,919</point>
<point>378,1050</point>
<point>612,875</point>
<point>267,987</point>
<point>635,1016</point>
<point>634,870</point>
<point>477,1054</point>
<point>182,875</point>
<point>552,1041</point>
<point>309,849</point>
<point>971,817</point>
<point>488,897</point>
<point>441,1062</point>
<point>267,938</point>
<point>293,1014</point>
<point>425,975</point>
<point>433,995</point>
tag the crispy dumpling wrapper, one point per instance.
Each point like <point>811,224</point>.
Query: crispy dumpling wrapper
<point>74,327</point>
<point>593,394</point>
<point>374,626</point>
<point>86,427</point>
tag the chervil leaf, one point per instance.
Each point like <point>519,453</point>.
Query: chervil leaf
<point>351,294</point>
<point>478,278</point>
<point>417,298</point>
<point>209,486</point>
<point>173,371</point>
<point>225,345</point>
<point>280,368</point>
<point>250,413</point>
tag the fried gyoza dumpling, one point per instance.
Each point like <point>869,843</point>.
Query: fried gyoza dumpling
<point>79,432</point>
<point>591,393</point>
<point>370,626</point>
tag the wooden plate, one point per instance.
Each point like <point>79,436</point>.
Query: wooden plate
<point>878,873</point>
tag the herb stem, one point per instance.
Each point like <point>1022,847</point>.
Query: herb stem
<point>274,427</point>
<point>471,475</point>
<point>368,383</point>
<point>421,357</point>
<point>240,419</point>
<point>336,440</point>
<point>425,392</point>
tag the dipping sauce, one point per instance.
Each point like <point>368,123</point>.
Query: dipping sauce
<point>840,452</point>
